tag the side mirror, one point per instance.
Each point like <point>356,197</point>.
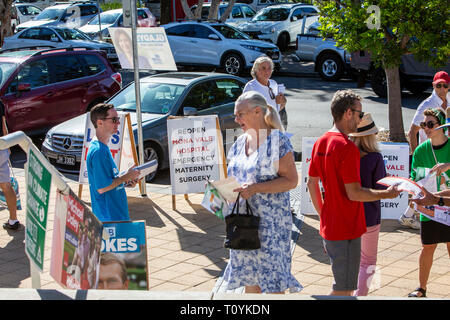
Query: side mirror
<point>294,18</point>
<point>24,87</point>
<point>190,111</point>
<point>213,36</point>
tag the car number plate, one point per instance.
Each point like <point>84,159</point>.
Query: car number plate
<point>112,56</point>
<point>65,159</point>
<point>275,56</point>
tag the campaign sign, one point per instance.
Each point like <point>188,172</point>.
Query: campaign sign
<point>194,153</point>
<point>154,52</point>
<point>82,244</point>
<point>38,180</point>
<point>396,161</point>
<point>115,145</point>
<point>306,205</point>
<point>124,249</point>
<point>59,227</point>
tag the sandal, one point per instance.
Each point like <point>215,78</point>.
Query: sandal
<point>414,294</point>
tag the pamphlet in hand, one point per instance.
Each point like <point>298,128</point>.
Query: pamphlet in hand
<point>145,168</point>
<point>436,213</point>
<point>218,194</point>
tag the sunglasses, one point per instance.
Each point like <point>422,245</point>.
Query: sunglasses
<point>428,124</point>
<point>113,119</point>
<point>361,113</point>
<point>440,85</point>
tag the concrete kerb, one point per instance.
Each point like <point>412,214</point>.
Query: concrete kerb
<point>65,294</point>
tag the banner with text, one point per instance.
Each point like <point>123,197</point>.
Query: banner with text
<point>194,153</point>
<point>124,248</point>
<point>154,52</point>
<point>120,147</point>
<point>396,160</point>
<point>82,245</point>
<point>38,181</point>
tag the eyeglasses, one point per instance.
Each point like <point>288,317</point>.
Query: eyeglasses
<point>361,113</point>
<point>440,85</point>
<point>428,124</point>
<point>113,119</point>
<point>271,93</point>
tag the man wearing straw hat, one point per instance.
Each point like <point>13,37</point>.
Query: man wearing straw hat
<point>335,161</point>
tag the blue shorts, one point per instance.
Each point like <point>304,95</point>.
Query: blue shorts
<point>345,256</point>
<point>4,166</point>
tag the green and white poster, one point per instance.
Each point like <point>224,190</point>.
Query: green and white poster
<point>38,193</point>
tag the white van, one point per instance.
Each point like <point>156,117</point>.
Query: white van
<point>259,4</point>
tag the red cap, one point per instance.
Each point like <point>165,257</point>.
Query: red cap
<point>441,76</point>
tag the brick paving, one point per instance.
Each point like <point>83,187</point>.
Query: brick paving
<point>185,250</point>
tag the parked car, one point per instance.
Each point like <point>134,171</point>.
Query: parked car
<point>41,88</point>
<point>239,14</point>
<point>114,18</point>
<point>415,76</point>
<point>280,24</point>
<point>329,60</point>
<point>162,95</point>
<point>259,4</point>
<point>218,45</point>
<point>72,15</point>
<point>42,4</point>
<point>26,12</point>
<point>58,37</point>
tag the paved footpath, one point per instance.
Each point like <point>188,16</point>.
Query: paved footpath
<point>185,250</point>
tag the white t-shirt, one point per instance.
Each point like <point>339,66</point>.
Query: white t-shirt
<point>432,101</point>
<point>254,85</point>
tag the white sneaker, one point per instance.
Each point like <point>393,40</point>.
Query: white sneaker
<point>409,222</point>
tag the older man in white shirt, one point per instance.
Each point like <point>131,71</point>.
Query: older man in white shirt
<point>440,98</point>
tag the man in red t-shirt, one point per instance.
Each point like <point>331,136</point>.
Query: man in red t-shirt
<point>335,161</point>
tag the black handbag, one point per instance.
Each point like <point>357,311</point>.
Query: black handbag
<point>242,229</point>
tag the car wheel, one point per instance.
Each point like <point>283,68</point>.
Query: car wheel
<point>150,154</point>
<point>378,82</point>
<point>282,42</point>
<point>233,64</point>
<point>331,67</point>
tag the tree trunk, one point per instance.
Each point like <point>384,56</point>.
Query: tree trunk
<point>198,11</point>
<point>227,12</point>
<point>213,10</point>
<point>165,12</point>
<point>187,10</point>
<point>396,129</point>
<point>5,19</point>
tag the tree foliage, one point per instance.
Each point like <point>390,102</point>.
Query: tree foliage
<point>389,29</point>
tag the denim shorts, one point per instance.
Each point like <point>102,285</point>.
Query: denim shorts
<point>345,257</point>
<point>4,166</point>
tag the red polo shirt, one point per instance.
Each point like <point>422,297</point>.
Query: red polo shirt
<point>335,160</point>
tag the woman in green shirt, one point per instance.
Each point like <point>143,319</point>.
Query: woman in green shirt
<point>431,152</point>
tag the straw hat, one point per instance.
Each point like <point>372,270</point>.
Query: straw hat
<point>366,127</point>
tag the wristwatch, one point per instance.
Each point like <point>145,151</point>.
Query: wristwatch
<point>441,202</point>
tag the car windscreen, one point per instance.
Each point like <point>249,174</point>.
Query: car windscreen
<point>50,14</point>
<point>158,98</point>
<point>72,34</point>
<point>105,18</point>
<point>230,32</point>
<point>272,14</point>
<point>6,68</point>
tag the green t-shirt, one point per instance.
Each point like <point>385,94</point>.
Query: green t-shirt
<point>423,158</point>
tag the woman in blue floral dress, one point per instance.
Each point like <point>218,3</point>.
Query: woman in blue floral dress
<point>262,161</point>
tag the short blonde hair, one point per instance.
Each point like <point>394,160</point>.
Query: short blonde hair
<point>258,62</point>
<point>366,143</point>
<point>255,99</point>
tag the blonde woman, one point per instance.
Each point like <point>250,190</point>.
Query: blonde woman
<point>262,161</point>
<point>372,169</point>
<point>261,72</point>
